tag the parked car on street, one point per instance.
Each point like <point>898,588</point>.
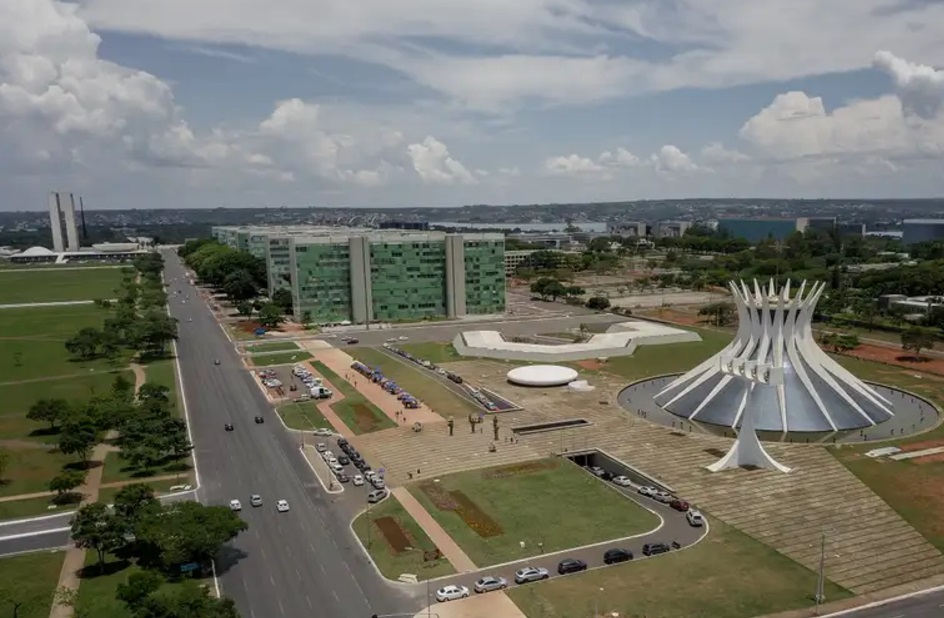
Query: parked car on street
<point>622,481</point>
<point>530,574</point>
<point>451,593</point>
<point>571,565</point>
<point>695,518</point>
<point>489,583</point>
<point>617,555</point>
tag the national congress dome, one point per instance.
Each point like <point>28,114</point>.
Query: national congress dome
<point>817,394</point>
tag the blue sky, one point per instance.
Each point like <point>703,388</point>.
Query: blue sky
<point>437,102</point>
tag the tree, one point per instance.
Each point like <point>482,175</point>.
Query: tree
<point>140,586</point>
<point>916,339</point>
<point>244,308</point>
<point>48,411</point>
<point>152,394</point>
<point>122,388</point>
<point>95,527</point>
<point>134,502</point>
<point>548,287</point>
<point>598,303</point>
<point>188,600</point>
<point>64,482</point>
<point>155,330</point>
<point>306,317</point>
<point>78,437</point>
<point>270,315</point>
<point>283,298</point>
<point>84,344</point>
<point>186,532</point>
<point>719,314</point>
<point>239,285</point>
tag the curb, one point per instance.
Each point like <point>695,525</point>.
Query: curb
<point>318,476</point>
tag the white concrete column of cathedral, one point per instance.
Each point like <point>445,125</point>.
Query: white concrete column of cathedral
<point>747,449</point>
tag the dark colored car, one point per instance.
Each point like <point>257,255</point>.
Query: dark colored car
<point>228,427</point>
<point>344,460</point>
<point>617,555</point>
<point>342,442</point>
<point>259,420</point>
<point>361,465</point>
<point>343,478</point>
<point>571,565</point>
<point>679,505</point>
<point>352,341</point>
<point>654,549</point>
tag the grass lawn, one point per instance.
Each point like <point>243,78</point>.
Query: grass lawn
<point>303,416</point>
<point>393,560</point>
<point>107,494</point>
<point>727,575</point>
<point>522,502</point>
<point>912,489</point>
<point>415,381</point>
<point>360,415</point>
<point>272,346</point>
<point>116,469</point>
<point>280,358</point>
<point>164,373</point>
<point>17,286</point>
<point>434,351</point>
<point>20,509</point>
<point>98,588</point>
<point>18,397</point>
<point>653,360</point>
<point>30,468</point>
<point>32,580</point>
<point>32,341</point>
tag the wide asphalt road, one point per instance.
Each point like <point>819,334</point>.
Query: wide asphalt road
<point>930,605</point>
<point>302,563</point>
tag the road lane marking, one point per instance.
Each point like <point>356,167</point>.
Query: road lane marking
<point>24,535</point>
<point>13,522</point>
<point>281,609</point>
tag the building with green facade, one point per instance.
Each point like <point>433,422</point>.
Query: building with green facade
<point>363,276</point>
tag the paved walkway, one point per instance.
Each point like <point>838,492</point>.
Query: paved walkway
<point>340,362</point>
<point>324,406</point>
<point>434,531</point>
<point>75,556</point>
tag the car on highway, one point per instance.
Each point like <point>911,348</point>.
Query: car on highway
<point>255,500</point>
<point>281,506</point>
<point>571,565</point>
<point>235,505</point>
<point>530,574</point>
<point>680,505</point>
<point>489,583</point>
<point>695,518</point>
<point>647,490</point>
<point>622,481</point>
<point>259,420</point>
<point>322,431</point>
<point>228,427</point>
<point>377,495</point>
<point>357,479</point>
<point>617,555</point>
<point>321,447</point>
<point>451,593</point>
<point>216,362</point>
<point>654,549</point>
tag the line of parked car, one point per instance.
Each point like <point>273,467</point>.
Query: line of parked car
<point>375,376</point>
<point>350,456</point>
<point>692,515</point>
<point>315,388</point>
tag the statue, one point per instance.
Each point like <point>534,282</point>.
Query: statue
<point>495,426</point>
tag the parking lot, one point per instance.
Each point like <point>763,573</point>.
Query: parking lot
<point>349,471</point>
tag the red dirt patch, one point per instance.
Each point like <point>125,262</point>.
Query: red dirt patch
<point>248,326</point>
<point>396,537</point>
<point>683,318</point>
<point>474,517</point>
<point>365,419</point>
<point>920,446</point>
<point>589,364</point>
<point>519,469</point>
<point>894,356</point>
<point>936,458</point>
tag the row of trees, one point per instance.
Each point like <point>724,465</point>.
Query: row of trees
<point>549,288</point>
<point>239,275</point>
<point>159,539</point>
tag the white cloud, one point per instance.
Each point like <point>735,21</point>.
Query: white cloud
<point>671,160</point>
<point>716,154</point>
<point>432,162</point>
<point>621,158</point>
<point>920,87</point>
<point>574,166</point>
<point>556,51</point>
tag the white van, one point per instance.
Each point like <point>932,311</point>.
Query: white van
<point>320,392</point>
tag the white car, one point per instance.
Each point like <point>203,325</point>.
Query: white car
<point>235,505</point>
<point>646,490</point>
<point>622,481</point>
<point>281,506</point>
<point>255,500</point>
<point>321,447</point>
<point>335,466</point>
<point>358,480</point>
<point>530,574</point>
<point>451,593</point>
<point>403,338</point>
<point>695,518</point>
<point>323,431</point>
<point>663,496</point>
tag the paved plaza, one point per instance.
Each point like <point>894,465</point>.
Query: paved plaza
<point>868,546</point>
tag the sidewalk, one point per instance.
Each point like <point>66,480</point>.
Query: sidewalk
<point>493,605</point>
<point>324,406</point>
<point>440,538</point>
<point>340,362</point>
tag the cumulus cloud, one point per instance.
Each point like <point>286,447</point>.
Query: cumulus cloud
<point>621,158</point>
<point>671,160</point>
<point>574,166</point>
<point>432,162</point>
<point>920,87</point>
<point>716,154</point>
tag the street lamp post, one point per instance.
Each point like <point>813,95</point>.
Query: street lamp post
<point>596,604</point>
<point>821,579</point>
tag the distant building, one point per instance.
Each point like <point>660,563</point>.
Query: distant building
<point>63,205</point>
<point>851,229</point>
<point>913,304</point>
<point>756,230</point>
<point>628,229</point>
<point>551,240</point>
<point>102,252</point>
<point>671,229</point>
<point>824,224</point>
<point>922,230</point>
<point>418,226</point>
